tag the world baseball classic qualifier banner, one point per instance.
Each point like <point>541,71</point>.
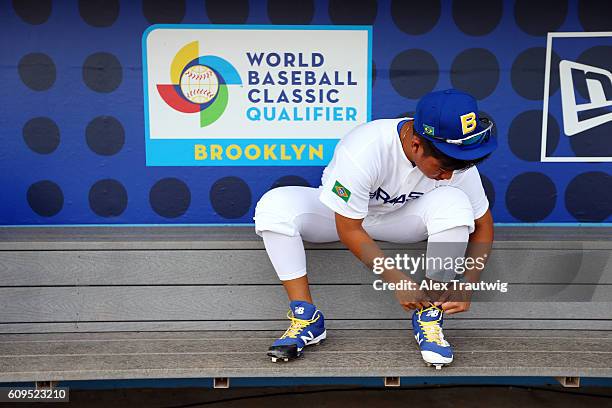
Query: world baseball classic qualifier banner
<point>253,95</point>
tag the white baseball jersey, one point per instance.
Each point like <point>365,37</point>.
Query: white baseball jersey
<point>369,174</point>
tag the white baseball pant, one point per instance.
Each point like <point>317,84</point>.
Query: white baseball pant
<point>285,216</point>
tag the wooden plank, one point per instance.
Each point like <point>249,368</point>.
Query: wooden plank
<point>279,326</point>
<point>220,267</point>
<point>138,303</point>
<point>317,363</point>
<point>407,366</point>
<point>118,245</point>
<point>245,233</point>
<point>199,366</point>
<point>340,344</point>
<point>123,238</point>
<point>605,335</point>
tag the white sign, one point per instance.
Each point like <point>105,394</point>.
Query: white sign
<point>598,86</point>
<point>253,95</point>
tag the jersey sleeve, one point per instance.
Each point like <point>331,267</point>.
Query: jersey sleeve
<point>346,188</point>
<point>469,182</point>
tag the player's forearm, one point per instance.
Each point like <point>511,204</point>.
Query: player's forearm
<point>479,246</point>
<point>359,242</point>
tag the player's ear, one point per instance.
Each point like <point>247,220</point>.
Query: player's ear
<point>415,144</point>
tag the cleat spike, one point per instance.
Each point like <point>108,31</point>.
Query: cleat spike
<point>285,359</point>
<point>274,359</point>
<point>438,366</point>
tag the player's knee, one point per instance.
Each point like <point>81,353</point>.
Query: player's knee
<point>448,207</point>
<point>273,212</point>
<point>269,201</point>
<point>451,197</point>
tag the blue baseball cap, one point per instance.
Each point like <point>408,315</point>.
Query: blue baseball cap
<point>450,120</point>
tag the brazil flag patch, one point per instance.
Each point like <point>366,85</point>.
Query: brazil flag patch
<point>341,191</point>
<point>429,130</point>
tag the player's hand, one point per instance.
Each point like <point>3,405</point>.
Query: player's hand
<point>455,307</point>
<point>412,299</point>
<point>455,301</point>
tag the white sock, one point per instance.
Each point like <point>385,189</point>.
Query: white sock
<point>286,254</point>
<point>450,243</point>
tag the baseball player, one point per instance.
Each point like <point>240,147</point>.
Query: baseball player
<point>398,180</point>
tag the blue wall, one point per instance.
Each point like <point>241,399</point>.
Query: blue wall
<point>71,105</point>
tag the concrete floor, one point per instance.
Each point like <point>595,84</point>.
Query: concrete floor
<point>295,397</point>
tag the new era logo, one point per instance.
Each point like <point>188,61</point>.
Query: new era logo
<point>577,99</point>
<point>581,116</point>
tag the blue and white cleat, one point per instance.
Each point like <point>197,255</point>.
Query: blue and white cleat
<point>307,328</point>
<point>427,328</point>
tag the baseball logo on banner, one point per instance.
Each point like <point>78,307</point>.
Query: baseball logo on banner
<point>253,95</point>
<point>199,84</point>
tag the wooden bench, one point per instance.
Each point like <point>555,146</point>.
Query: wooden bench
<point>168,302</point>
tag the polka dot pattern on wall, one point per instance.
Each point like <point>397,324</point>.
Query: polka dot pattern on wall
<point>413,73</point>
<point>595,15</point>
<point>594,142</point>
<point>105,135</point>
<point>227,11</point>
<point>419,46</point>
<point>163,11</point>
<point>230,197</point>
<point>290,181</point>
<point>540,17</point>
<point>588,196</point>
<point>531,197</point>
<point>170,197</point>
<point>45,198</point>
<point>525,135</point>
<point>362,12</point>
<point>102,72</point>
<point>528,70</point>
<point>475,71</point>
<point>33,11</point>
<point>37,71</point>
<point>290,12</point>
<point>99,13</point>
<point>108,198</point>
<point>477,17</point>
<point>415,17</point>
<point>41,135</point>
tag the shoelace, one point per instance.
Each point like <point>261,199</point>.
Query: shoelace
<point>432,330</point>
<point>297,325</point>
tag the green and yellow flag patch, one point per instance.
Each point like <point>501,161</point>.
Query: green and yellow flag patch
<point>429,130</point>
<point>341,191</point>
